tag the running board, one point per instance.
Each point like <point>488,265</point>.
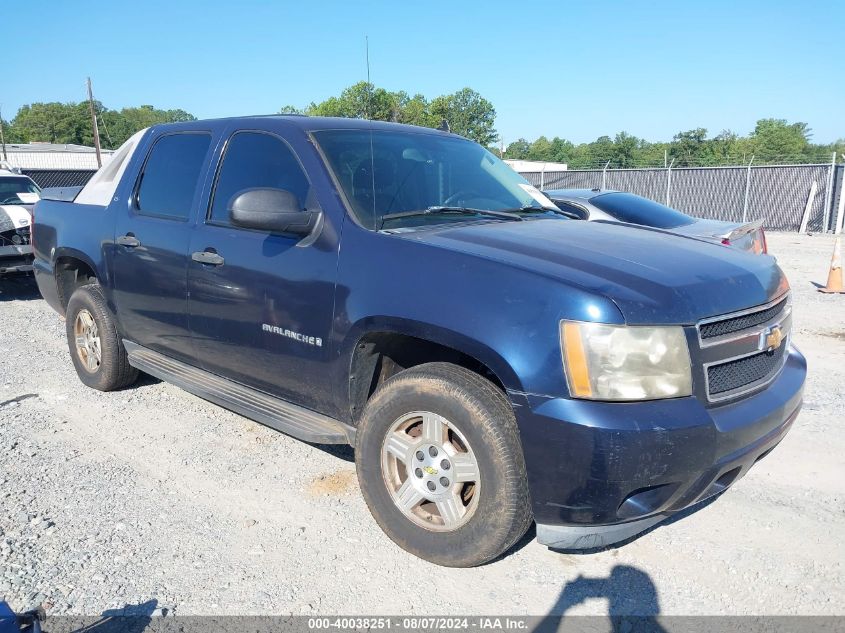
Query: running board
<point>278,414</point>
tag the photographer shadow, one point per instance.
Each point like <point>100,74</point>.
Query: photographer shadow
<point>633,605</point>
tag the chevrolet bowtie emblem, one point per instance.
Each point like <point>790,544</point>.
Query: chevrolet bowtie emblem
<point>772,338</point>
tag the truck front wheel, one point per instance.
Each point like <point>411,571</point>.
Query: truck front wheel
<point>95,347</point>
<point>441,467</point>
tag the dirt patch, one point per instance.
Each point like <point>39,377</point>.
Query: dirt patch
<point>339,483</point>
<point>837,335</point>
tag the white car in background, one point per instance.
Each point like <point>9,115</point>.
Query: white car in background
<point>18,195</point>
<point>603,205</point>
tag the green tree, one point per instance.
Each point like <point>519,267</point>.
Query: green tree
<point>414,110</point>
<point>562,151</point>
<point>518,150</point>
<point>71,122</point>
<point>597,153</point>
<point>724,146</point>
<point>468,113</point>
<point>625,150</point>
<point>691,148</point>
<point>51,123</point>
<point>360,101</point>
<point>119,126</point>
<point>775,139</point>
<point>541,149</point>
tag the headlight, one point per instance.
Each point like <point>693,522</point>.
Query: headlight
<point>620,362</point>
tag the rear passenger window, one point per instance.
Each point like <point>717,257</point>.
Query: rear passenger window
<point>256,159</point>
<point>170,175</point>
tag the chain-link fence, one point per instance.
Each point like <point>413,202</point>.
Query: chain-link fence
<point>776,194</point>
<point>45,178</point>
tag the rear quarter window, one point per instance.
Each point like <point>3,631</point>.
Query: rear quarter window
<point>627,207</point>
<point>171,173</point>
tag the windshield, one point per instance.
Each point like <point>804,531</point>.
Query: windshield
<point>384,173</point>
<point>627,207</point>
<point>11,186</point>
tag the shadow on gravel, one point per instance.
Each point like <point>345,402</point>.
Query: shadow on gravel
<point>144,380</point>
<point>18,288</point>
<point>341,451</point>
<point>18,399</point>
<point>632,602</point>
<point>133,618</point>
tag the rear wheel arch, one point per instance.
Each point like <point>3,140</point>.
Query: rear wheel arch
<point>72,271</point>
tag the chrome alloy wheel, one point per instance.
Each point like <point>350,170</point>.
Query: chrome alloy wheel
<point>430,471</point>
<point>87,340</point>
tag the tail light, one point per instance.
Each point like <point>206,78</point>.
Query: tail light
<point>32,229</point>
<point>757,246</point>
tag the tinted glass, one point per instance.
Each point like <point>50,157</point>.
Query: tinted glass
<point>252,160</point>
<point>11,186</point>
<point>171,174</point>
<point>565,206</point>
<point>385,172</point>
<point>626,207</point>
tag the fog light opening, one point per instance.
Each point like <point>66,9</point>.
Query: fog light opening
<point>645,501</point>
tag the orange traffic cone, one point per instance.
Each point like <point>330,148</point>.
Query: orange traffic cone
<point>834,278</point>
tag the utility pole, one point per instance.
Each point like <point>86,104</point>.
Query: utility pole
<point>3,137</point>
<point>94,124</point>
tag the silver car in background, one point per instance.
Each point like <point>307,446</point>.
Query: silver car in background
<point>605,205</point>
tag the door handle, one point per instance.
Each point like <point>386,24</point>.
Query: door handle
<point>128,240</point>
<point>208,257</point>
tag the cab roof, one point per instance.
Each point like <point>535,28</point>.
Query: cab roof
<point>312,123</point>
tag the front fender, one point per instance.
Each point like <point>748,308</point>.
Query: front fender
<point>457,341</point>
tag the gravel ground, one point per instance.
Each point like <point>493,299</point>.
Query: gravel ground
<point>151,496</point>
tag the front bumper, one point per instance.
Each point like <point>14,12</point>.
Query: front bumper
<point>15,258</point>
<point>601,472</point>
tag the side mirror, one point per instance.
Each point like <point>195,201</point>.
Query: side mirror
<point>273,210</point>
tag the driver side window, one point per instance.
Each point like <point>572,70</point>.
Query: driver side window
<point>256,159</point>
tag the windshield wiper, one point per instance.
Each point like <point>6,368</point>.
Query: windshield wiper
<point>505,215</point>
<point>530,208</point>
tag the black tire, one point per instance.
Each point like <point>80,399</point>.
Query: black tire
<point>113,370</point>
<point>481,412</point>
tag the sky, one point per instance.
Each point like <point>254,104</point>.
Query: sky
<point>577,70</point>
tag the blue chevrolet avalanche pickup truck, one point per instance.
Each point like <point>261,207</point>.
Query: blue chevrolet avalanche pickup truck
<point>400,289</point>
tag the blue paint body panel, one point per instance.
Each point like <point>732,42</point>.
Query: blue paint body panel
<point>494,291</point>
<point>8,620</point>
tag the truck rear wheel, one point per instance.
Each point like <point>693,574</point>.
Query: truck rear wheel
<point>95,348</point>
<point>441,467</point>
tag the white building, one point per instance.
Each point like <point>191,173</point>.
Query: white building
<point>52,156</point>
<point>534,166</point>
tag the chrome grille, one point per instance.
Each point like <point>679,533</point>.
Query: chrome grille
<point>742,322</point>
<point>736,374</point>
<point>733,349</point>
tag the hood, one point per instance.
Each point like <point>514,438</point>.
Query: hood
<point>14,216</point>
<point>653,276</point>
